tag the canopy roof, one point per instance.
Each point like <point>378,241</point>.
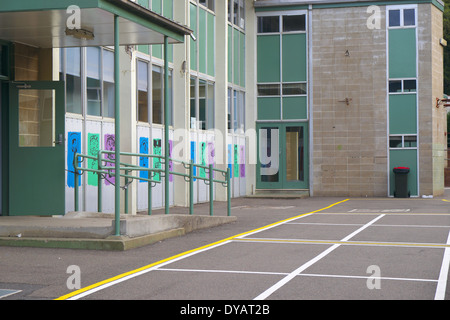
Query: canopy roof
<point>43,23</point>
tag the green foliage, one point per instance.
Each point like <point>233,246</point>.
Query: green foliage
<point>447,49</point>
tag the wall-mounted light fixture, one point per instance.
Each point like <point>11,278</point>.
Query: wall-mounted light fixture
<point>82,34</point>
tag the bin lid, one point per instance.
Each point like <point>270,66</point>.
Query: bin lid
<point>401,168</point>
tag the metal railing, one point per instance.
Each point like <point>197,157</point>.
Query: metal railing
<point>128,169</point>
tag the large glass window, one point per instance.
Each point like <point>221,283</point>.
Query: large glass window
<point>150,93</point>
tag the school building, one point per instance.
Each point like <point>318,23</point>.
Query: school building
<point>318,97</point>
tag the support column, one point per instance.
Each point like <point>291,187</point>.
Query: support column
<point>117,124</point>
<point>166,126</point>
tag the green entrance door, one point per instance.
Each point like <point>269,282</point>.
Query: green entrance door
<point>36,148</point>
<point>282,156</point>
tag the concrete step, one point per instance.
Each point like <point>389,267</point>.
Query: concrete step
<point>280,194</point>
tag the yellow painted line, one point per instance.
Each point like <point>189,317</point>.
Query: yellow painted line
<point>389,213</point>
<point>445,200</point>
<point>120,276</point>
<point>395,244</point>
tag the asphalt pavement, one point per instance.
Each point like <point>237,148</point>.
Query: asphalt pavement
<point>276,249</point>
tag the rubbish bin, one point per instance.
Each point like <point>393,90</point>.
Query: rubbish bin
<point>401,182</point>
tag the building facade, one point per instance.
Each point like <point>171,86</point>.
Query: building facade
<point>320,97</point>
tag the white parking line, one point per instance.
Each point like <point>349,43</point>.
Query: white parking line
<point>442,282</point>
<point>303,267</point>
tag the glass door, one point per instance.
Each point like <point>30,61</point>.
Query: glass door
<point>36,148</point>
<point>283,154</point>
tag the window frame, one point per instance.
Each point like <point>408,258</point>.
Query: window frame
<point>150,67</point>
<point>402,86</point>
<point>403,136</point>
<point>402,9</point>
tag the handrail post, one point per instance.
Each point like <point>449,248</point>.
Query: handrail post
<point>126,191</point>
<point>228,192</point>
<point>76,191</point>
<point>149,195</point>
<point>191,187</point>
<point>211,190</point>
<point>99,183</point>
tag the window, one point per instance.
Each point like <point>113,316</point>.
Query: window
<point>150,93</point>
<point>294,89</point>
<point>294,23</point>
<point>108,84</point>
<point>236,13</point>
<point>402,17</point>
<point>210,4</point>
<point>71,74</point>
<point>268,24</point>
<point>403,86</point>
<point>269,89</point>
<point>142,86</point>
<point>202,105</point>
<point>402,141</point>
<point>93,81</point>
<point>4,61</point>
<point>236,111</point>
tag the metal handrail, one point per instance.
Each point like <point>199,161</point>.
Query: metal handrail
<point>103,170</point>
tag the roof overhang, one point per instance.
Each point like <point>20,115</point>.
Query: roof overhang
<point>44,23</point>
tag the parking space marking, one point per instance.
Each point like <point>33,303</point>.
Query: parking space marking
<point>134,273</point>
<point>348,243</point>
<point>374,225</point>
<point>306,265</point>
<point>7,292</point>
<point>299,275</point>
<point>442,282</point>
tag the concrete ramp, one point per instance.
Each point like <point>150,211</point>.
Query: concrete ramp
<point>87,230</point>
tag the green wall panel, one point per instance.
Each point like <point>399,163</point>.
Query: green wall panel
<point>268,58</point>
<point>193,44</point>
<point>269,108</point>
<point>294,57</point>
<point>402,53</point>
<point>202,40</point>
<point>294,108</point>
<point>236,65</point>
<point>156,6</point>
<point>404,158</point>
<point>402,114</point>
<point>242,59</point>
<point>211,44</point>
<point>230,54</point>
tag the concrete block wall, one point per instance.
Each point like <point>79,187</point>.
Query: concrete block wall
<point>349,139</point>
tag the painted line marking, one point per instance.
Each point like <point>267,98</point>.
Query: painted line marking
<point>306,265</point>
<point>442,282</point>
<point>374,225</point>
<point>388,213</point>
<point>299,275</point>
<point>134,273</point>
<point>8,292</point>
<point>354,243</point>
